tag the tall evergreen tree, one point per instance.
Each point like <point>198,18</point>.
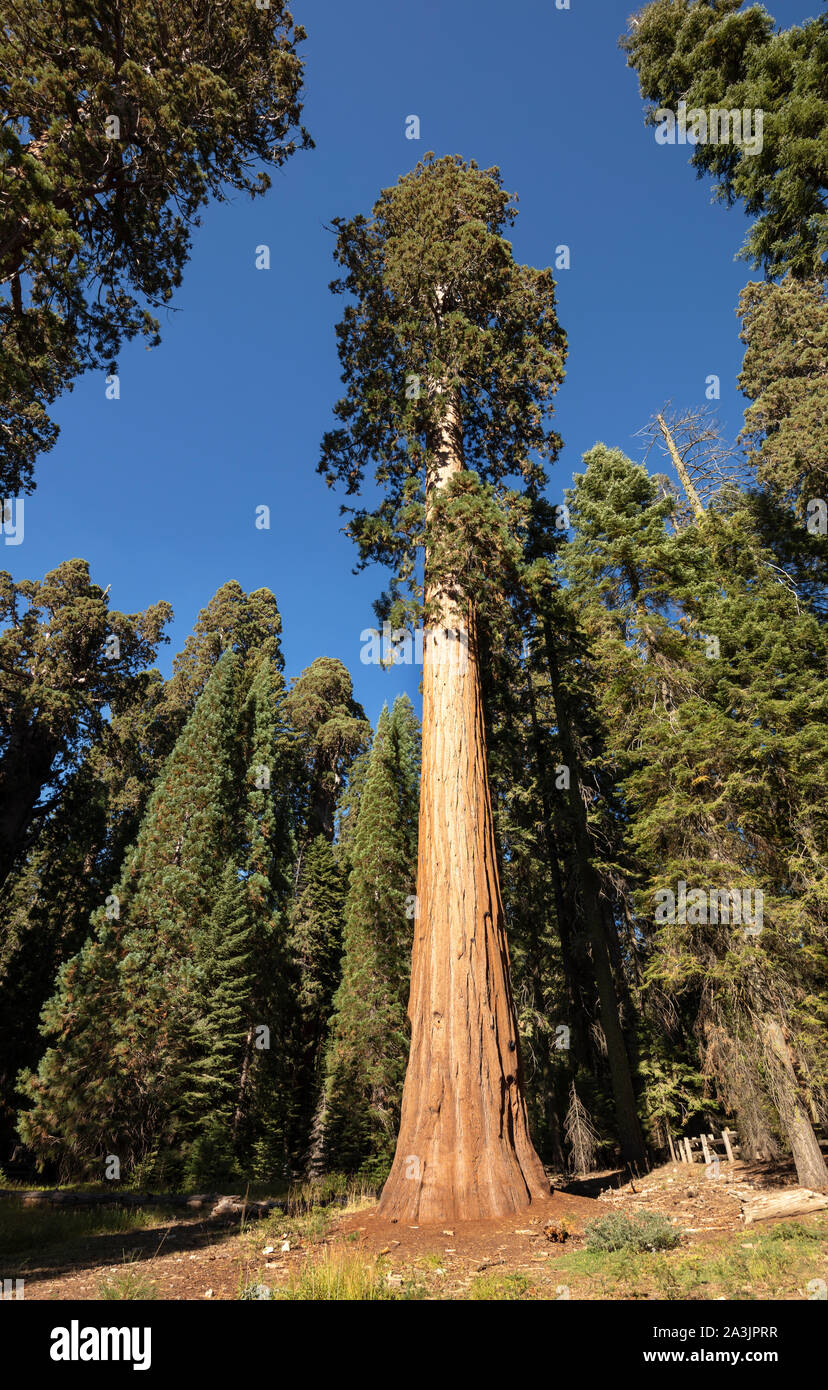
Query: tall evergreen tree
<point>94,813</point>
<point>128,1012</point>
<point>331,729</point>
<point>785,376</point>
<point>368,1048</point>
<point>450,353</point>
<point>715,54</point>
<point>65,657</point>
<point>120,124</point>
<point>315,945</point>
<point>714,690</point>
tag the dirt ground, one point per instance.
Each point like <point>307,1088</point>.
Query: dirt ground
<point>190,1257</point>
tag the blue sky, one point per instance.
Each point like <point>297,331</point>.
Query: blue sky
<point>158,490</point>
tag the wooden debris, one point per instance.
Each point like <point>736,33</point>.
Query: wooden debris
<point>794,1201</point>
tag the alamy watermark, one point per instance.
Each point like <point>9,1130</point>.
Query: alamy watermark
<point>743,127</point>
<point>11,520</point>
<point>700,906</point>
<point>402,647</point>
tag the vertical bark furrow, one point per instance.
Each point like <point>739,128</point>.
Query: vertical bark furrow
<point>464,1150</point>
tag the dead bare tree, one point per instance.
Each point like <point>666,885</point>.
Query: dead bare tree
<point>695,444</point>
<point>581,1135</point>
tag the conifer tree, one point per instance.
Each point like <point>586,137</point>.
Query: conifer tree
<point>450,352</point>
<point>714,54</point>
<point>368,1048</point>
<point>249,625</point>
<point>65,657</point>
<point>94,813</point>
<point>128,1011</point>
<point>227,966</point>
<point>714,691</point>
<point>266,868</point>
<point>315,946</point>
<point>120,124</point>
<point>331,729</point>
<point>785,376</point>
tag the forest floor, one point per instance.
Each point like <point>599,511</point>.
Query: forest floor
<point>334,1253</point>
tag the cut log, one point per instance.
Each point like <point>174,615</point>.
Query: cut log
<point>793,1201</point>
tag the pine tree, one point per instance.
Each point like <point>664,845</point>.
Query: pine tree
<point>785,375</point>
<point>331,729</point>
<point>227,965</point>
<point>85,830</point>
<point>713,689</point>
<point>368,1048</point>
<point>261,1116</point>
<point>714,54</point>
<point>249,625</point>
<point>315,946</point>
<point>128,1011</point>
<point>65,656</point>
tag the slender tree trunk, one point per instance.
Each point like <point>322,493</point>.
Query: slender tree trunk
<point>245,1072</point>
<point>678,463</point>
<point>463,1151</point>
<point>24,771</point>
<point>807,1155</point>
<point>626,1113</point>
<point>578,1010</point>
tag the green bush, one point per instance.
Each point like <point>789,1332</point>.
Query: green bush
<point>645,1230</point>
<point>210,1163</point>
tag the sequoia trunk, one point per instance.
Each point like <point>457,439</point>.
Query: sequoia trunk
<point>464,1151</point>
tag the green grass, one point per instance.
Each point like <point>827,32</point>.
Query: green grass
<point>126,1284</point>
<point>778,1263</point>
<point>38,1230</point>
<point>500,1287</point>
<point>313,1207</point>
<point>338,1275</point>
<point>335,1190</point>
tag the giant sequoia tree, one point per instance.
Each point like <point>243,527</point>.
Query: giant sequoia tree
<point>451,352</point>
<point>120,122</point>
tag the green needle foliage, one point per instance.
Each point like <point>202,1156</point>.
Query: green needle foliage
<point>713,693</point>
<point>128,1013</point>
<point>440,313</point>
<point>713,53</point>
<point>120,123</point>
<point>64,657</point>
<point>315,945</point>
<point>368,1049</point>
<point>785,376</point>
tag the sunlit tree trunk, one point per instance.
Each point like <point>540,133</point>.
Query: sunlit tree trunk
<point>464,1151</point>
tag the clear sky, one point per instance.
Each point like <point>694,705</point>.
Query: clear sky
<point>158,490</point>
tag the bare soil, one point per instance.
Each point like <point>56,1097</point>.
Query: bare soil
<point>189,1257</point>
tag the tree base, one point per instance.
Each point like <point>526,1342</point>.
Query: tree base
<point>443,1192</point>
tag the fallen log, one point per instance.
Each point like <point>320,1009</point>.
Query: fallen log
<point>793,1201</point>
<point>237,1206</point>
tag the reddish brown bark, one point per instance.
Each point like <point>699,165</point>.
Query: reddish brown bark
<point>464,1151</point>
